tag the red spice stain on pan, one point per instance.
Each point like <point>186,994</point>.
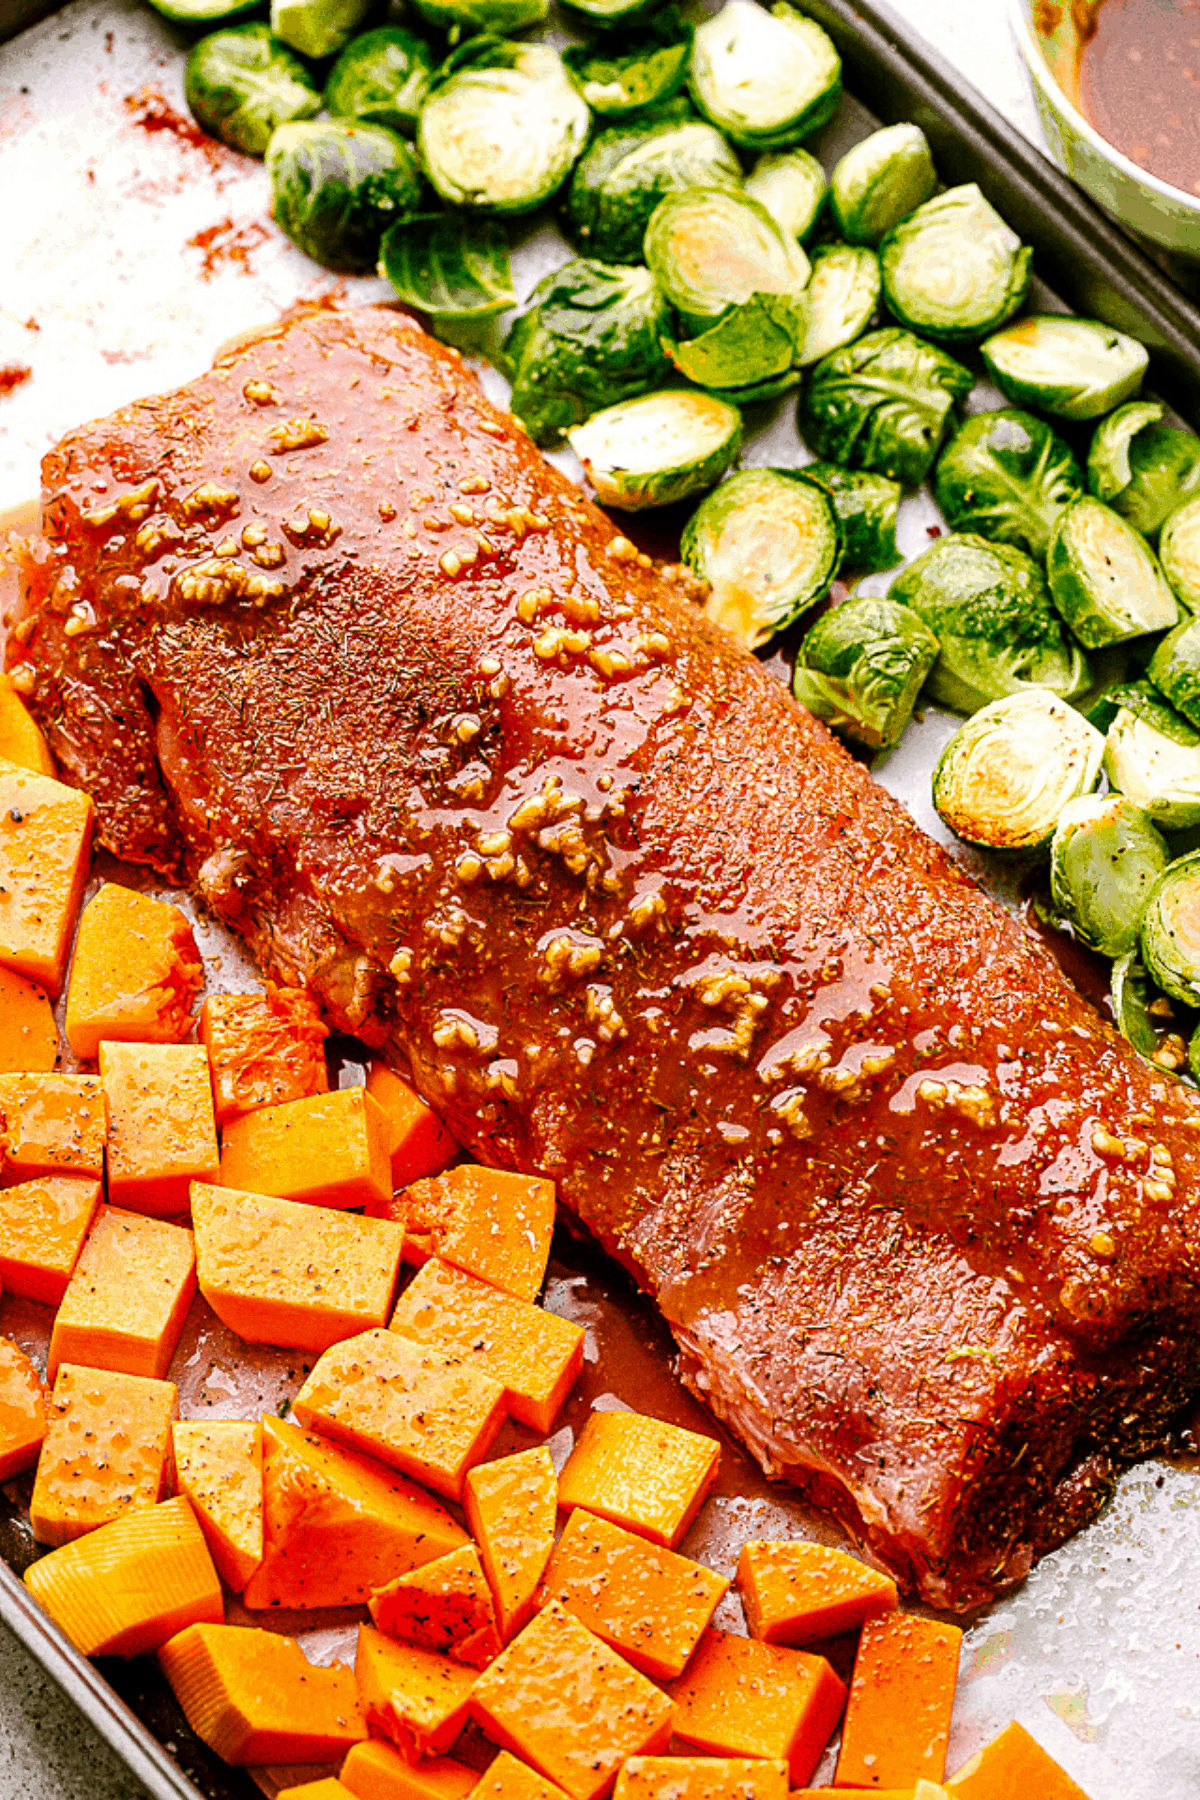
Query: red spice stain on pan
<point>227,245</point>
<point>150,111</point>
<point>13,376</point>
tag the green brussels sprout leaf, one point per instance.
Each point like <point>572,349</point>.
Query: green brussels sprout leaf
<point>461,18</point>
<point>752,345</point>
<point>502,127</point>
<point>1142,469</point>
<point>766,79</point>
<point>1104,576</point>
<point>1143,700</point>
<point>867,507</point>
<point>1007,773</point>
<point>1105,857</point>
<point>648,68</point>
<point>1132,998</point>
<point>336,187</point>
<point>882,403</point>
<point>711,248</point>
<point>658,448</point>
<point>1170,934</point>
<point>880,181</point>
<point>1073,368</point>
<point>317,27</point>
<point>611,15</point>
<point>861,666</point>
<point>1007,476</point>
<point>626,170</point>
<point>1179,552</point>
<point>953,269</point>
<point>768,543</point>
<point>382,76</point>
<point>842,297</point>
<point>1108,468</point>
<point>791,185</point>
<point>449,268</point>
<point>241,83</point>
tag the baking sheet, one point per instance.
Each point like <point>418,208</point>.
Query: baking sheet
<point>132,249</point>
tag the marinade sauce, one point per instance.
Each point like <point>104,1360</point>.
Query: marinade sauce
<point>1139,84</point>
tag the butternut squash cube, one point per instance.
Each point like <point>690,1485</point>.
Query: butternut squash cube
<point>901,1697</point>
<point>106,1451</point>
<point>129,1586</point>
<point>646,1602</point>
<point>1013,1764</point>
<point>490,1222</point>
<point>560,1699</point>
<point>336,1525</point>
<point>742,1698</point>
<point>445,1606</point>
<point>702,1778</point>
<point>52,1125</point>
<point>328,1787</point>
<point>924,1790</point>
<point>375,1770</point>
<point>640,1473</point>
<point>424,1412</point>
<point>534,1354</point>
<point>254,1697</point>
<point>419,1143</point>
<point>327,1150</point>
<point>28,1034</point>
<point>125,1304</point>
<point>264,1049</point>
<point>796,1593</point>
<point>42,1228</point>
<point>511,1507</point>
<point>281,1272</point>
<point>22,1411</point>
<point>508,1778</point>
<point>45,840</point>
<point>21,741</point>
<point>414,1697</point>
<point>161,1132</point>
<point>135,972</point>
<point>218,1466</point>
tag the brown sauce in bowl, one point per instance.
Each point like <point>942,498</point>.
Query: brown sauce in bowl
<point>1139,83</point>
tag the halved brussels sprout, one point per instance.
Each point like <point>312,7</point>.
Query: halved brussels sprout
<point>1007,476</point>
<point>768,542</point>
<point>658,448</point>
<point>841,298</point>
<point>503,127</point>
<point>625,172</point>
<point>647,69</point>
<point>1175,668</point>
<point>953,269</point>
<point>609,15</point>
<point>752,345</point>
<point>317,27</point>
<point>791,185</point>
<point>766,79</point>
<point>240,84</point>
<point>1142,469</point>
<point>881,181</point>
<point>1006,775</point>
<point>203,12</point>
<point>1104,576</point>
<point>453,268</point>
<point>711,248</point>
<point>989,608</point>
<point>382,76</point>
<point>336,187</point>
<point>1179,552</point>
<point>590,339</point>
<point>883,403</point>
<point>860,669</point>
<point>1170,935</point>
<point>1156,762</point>
<point>867,507</point>
<point>1074,368</point>
<point>1105,857</point>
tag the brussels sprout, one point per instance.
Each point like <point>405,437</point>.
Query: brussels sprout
<point>240,84</point>
<point>203,12</point>
<point>882,403</point>
<point>1175,668</point>
<point>658,448</point>
<point>1170,935</point>
<point>791,185</point>
<point>335,188</point>
<point>382,76</point>
<point>1179,552</point>
<point>880,182</point>
<point>454,269</point>
<point>749,350</point>
<point>953,269</point>
<point>1104,859</point>
<point>860,669</point>
<point>628,169</point>
<point>766,79</point>
<point>1104,576</point>
<point>711,248</point>
<point>1007,476</point>
<point>988,607</point>
<point>460,18</point>
<point>609,15</point>
<point>842,296</point>
<point>768,542</point>
<point>1156,762</point>
<point>1142,469</point>
<point>317,27</point>
<point>1005,776</point>
<point>1144,700</point>
<point>867,507</point>
<point>502,127</point>
<point>589,339</point>
<point>648,68</point>
<point>1074,368</point>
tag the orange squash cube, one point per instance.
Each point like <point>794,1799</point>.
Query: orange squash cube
<point>511,1507</point>
<point>560,1699</point>
<point>335,1525</point>
<point>129,1586</point>
<point>21,741</point>
<point>419,1142</point>
<point>647,1602</point>
<point>1013,1764</point>
<point>22,1411</point>
<point>327,1150</point>
<point>52,1125</point>
<point>218,1466</point>
<point>135,972</point>
<point>375,1770</point>
<point>414,1697</point>
<point>161,1132</point>
<point>281,1272</point>
<point>254,1697</point>
<point>640,1473</point>
<point>431,1415</point>
<point>795,1593</point>
<point>28,1034</point>
<point>107,1448</point>
<point>263,1049</point>
<point>490,1222</point>
<point>328,1787</point>
<point>43,1225</point>
<point>127,1300</point>
<point>742,1698</point>
<point>924,1790</point>
<point>507,1778</point>
<point>444,1606</point>
<point>702,1778</point>
<point>901,1697</point>
<point>45,840</point>
<point>534,1354</point>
